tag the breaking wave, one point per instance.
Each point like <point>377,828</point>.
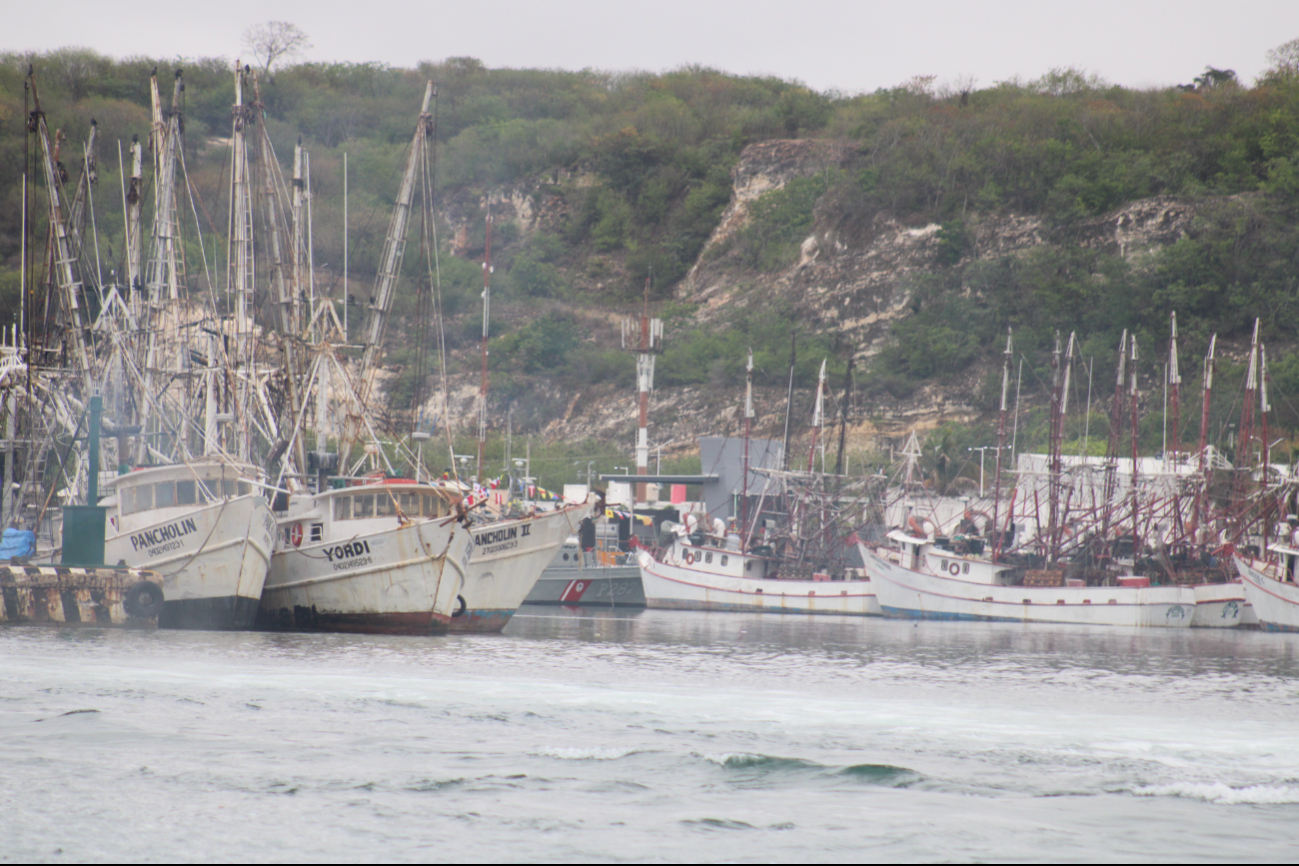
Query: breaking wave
<point>1220,793</point>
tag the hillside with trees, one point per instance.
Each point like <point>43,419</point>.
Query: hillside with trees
<point>628,176</point>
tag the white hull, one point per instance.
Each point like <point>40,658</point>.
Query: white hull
<point>213,560</point>
<point>1275,602</point>
<point>1222,605</point>
<point>904,592</point>
<point>688,587</point>
<point>507,561</point>
<point>402,580</point>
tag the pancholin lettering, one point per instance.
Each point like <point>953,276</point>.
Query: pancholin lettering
<point>496,536</point>
<point>156,536</point>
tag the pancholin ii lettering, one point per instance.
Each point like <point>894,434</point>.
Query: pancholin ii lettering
<point>496,536</point>
<point>156,536</point>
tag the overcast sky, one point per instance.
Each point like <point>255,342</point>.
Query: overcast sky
<point>852,46</point>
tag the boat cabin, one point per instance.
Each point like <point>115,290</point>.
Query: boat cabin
<point>150,494</point>
<point>361,510</point>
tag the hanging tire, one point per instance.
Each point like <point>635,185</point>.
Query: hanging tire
<point>460,609</point>
<point>143,600</point>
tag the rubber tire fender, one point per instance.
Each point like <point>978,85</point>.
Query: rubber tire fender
<point>460,610</point>
<point>143,600</point>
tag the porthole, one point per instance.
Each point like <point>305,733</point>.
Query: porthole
<point>708,557</point>
<point>723,559</point>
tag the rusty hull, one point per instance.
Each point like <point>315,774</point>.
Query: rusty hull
<point>78,597</point>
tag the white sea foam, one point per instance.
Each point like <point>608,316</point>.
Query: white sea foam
<point>575,754</point>
<point>1217,792</point>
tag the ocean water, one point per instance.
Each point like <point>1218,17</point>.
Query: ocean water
<point>652,736</point>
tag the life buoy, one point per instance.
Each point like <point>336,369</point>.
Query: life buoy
<point>460,609</point>
<point>954,568</point>
<point>143,600</point>
<point>295,535</point>
<point>690,558</point>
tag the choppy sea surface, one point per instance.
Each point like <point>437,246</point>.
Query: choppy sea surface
<point>652,736</point>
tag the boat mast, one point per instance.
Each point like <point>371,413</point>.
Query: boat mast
<point>818,416</point>
<point>1264,407</point>
<point>1136,438</point>
<point>487,311</point>
<point>394,249</point>
<point>1001,446</point>
<point>1200,491</point>
<point>1116,429</point>
<point>1054,458</point>
<point>134,215</point>
<point>748,432</point>
<point>65,263</point>
<point>789,399</point>
<point>1175,389</point>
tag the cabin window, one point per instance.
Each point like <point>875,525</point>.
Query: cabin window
<point>383,505</point>
<point>723,559</point>
<point>164,494</point>
<point>342,508</point>
<point>748,566</point>
<point>245,488</point>
<point>363,506</point>
<point>708,557</point>
<point>229,488</point>
<point>410,504</point>
<point>186,493</point>
<point>317,532</point>
<point>126,500</point>
<point>942,563</point>
<point>965,568</point>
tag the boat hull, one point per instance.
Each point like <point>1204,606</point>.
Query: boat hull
<point>679,588</point>
<point>1275,602</point>
<point>213,562</point>
<point>507,561</point>
<point>912,594</point>
<point>606,585</point>
<point>1222,605</point>
<point>399,581</point>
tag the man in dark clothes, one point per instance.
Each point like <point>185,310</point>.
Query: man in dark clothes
<point>586,538</point>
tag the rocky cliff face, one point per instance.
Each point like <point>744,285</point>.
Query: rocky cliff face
<point>853,282</point>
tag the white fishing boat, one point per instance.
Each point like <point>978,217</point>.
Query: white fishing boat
<point>204,529</point>
<point>508,559</point>
<point>919,580</point>
<point>1222,605</point>
<point>1271,590</point>
<point>388,557</point>
<point>713,576</point>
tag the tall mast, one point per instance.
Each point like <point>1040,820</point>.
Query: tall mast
<point>1246,440</point>
<point>1200,490</point>
<point>487,312</point>
<point>818,416</point>
<point>1136,438</point>
<point>134,214</point>
<point>644,382</point>
<point>748,432</point>
<point>1174,389</point>
<point>789,398</point>
<point>65,263</point>
<point>1263,408</point>
<point>394,249</point>
<point>1116,429</point>
<point>1007,356</point>
<point>1053,467</point>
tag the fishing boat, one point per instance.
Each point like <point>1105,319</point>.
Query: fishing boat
<point>509,556</point>
<point>795,566</point>
<point>382,557</point>
<point>715,575</point>
<point>918,579</point>
<point>1271,589</point>
<point>205,529</point>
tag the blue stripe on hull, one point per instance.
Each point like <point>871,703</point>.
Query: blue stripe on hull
<point>908,613</point>
<point>676,604</point>
<point>1271,626</point>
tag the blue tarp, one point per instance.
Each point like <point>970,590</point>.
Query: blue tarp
<point>17,542</point>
